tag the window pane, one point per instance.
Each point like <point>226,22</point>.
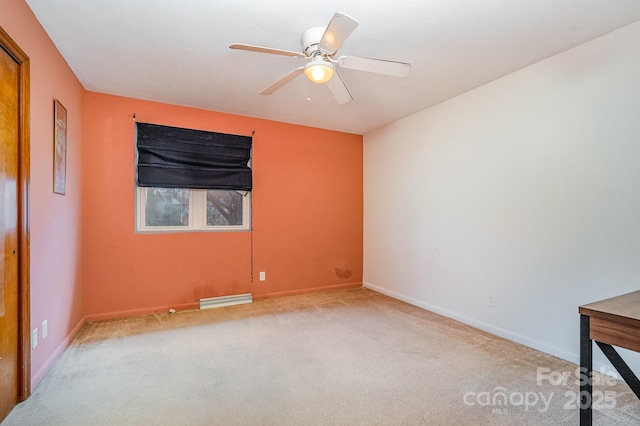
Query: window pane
<point>167,207</point>
<point>224,207</point>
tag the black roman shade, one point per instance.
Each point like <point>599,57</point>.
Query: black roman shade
<point>173,157</point>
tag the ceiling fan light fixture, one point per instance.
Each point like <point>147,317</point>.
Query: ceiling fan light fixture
<point>319,47</point>
<point>319,70</point>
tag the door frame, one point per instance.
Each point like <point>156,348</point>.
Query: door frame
<point>24,301</point>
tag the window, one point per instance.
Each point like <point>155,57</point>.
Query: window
<point>191,180</point>
<point>183,210</point>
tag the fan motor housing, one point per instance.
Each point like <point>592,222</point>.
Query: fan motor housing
<point>310,40</point>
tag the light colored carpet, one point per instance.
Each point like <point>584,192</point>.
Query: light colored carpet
<point>348,357</point>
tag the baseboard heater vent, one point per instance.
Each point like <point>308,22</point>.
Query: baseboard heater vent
<point>218,302</point>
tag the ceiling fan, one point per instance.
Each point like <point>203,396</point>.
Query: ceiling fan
<point>319,46</point>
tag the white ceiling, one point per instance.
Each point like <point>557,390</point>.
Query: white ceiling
<point>177,52</point>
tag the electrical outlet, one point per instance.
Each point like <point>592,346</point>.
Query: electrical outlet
<point>34,338</point>
<point>263,276</point>
<point>491,302</point>
<point>45,329</point>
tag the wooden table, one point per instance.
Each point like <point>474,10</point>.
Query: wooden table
<point>614,321</point>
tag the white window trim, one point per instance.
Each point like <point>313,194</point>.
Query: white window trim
<point>197,214</point>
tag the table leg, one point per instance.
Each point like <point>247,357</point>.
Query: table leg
<point>622,367</point>
<point>586,367</point>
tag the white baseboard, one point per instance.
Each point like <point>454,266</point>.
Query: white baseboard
<point>509,335</point>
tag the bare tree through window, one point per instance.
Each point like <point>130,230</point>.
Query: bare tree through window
<point>186,210</point>
<point>224,208</point>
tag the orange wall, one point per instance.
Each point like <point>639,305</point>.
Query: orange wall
<point>55,220</point>
<point>307,215</point>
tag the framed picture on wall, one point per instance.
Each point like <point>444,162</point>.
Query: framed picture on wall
<point>59,147</point>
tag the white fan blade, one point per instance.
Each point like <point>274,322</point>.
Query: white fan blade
<point>260,49</point>
<point>379,66</point>
<point>340,27</point>
<point>284,80</point>
<point>339,90</point>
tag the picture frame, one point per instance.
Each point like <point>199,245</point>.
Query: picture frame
<point>59,147</point>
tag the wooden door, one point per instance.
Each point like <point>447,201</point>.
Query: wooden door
<point>14,359</point>
<point>8,234</point>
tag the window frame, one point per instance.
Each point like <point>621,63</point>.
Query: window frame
<point>197,214</point>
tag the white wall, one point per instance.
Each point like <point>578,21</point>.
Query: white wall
<point>527,189</point>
